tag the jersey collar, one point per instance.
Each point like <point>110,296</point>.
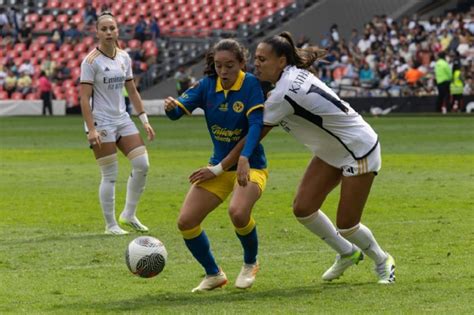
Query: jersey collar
<point>103,53</point>
<point>237,84</point>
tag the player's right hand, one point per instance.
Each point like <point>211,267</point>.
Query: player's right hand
<point>94,138</point>
<point>170,103</point>
<point>201,175</point>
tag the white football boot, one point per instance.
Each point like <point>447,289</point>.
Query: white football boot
<point>246,276</point>
<point>211,282</point>
<point>342,263</point>
<point>115,230</point>
<point>386,270</point>
<point>133,223</point>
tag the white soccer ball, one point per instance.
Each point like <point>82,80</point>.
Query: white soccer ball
<point>146,256</point>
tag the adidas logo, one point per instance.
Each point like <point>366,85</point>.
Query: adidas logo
<point>106,69</point>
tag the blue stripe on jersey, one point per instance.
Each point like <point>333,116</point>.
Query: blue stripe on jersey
<point>318,121</point>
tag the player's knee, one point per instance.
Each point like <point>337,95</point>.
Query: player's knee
<point>238,216</point>
<point>300,209</point>
<point>185,224</point>
<point>108,167</point>
<point>139,159</point>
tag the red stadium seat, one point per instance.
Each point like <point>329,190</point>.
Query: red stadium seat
<point>31,96</point>
<point>32,18</point>
<point>69,55</point>
<point>42,39</point>
<point>53,4</point>
<point>89,41</point>
<point>17,96</point>
<point>134,43</point>
<point>3,95</point>
<point>57,56</point>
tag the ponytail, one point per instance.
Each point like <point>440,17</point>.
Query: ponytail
<point>304,58</point>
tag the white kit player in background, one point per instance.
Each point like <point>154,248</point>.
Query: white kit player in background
<point>346,152</point>
<point>104,73</point>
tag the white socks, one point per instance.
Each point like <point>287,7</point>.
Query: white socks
<point>136,181</point>
<point>361,236</point>
<point>319,224</point>
<point>109,169</point>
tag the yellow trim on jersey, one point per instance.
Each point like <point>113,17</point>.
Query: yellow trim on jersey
<point>87,82</point>
<point>90,59</point>
<point>246,229</point>
<point>183,107</point>
<point>254,108</point>
<point>235,87</point>
<point>192,233</point>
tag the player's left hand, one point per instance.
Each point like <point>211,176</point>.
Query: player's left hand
<point>243,171</point>
<point>201,175</point>
<point>150,133</point>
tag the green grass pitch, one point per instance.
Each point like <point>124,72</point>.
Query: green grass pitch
<point>54,257</point>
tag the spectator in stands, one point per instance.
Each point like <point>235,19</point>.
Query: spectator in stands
<point>232,100</point>
<point>184,80</point>
<point>104,73</point>
<point>90,14</point>
<point>140,29</point>
<point>346,151</point>
<point>27,67</point>
<point>63,72</point>
<point>457,87</point>
<point>26,34</point>
<point>10,64</point>
<point>334,33</point>
<point>4,22</point>
<point>24,83</point>
<point>443,80</point>
<point>3,75</point>
<point>302,42</point>
<point>154,29</point>
<point>57,36</point>
<point>366,76</point>
<point>16,20</point>
<point>46,93</point>
<point>72,35</point>
<point>413,76</point>
<point>10,82</point>
<point>48,66</point>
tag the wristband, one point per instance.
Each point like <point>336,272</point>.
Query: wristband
<point>216,169</point>
<point>144,118</point>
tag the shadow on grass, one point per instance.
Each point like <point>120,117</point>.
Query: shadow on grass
<point>59,237</point>
<point>173,300</point>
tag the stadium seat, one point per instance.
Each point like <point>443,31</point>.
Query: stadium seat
<point>31,96</point>
<point>3,95</point>
<point>17,96</point>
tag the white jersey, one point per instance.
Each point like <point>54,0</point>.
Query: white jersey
<point>310,111</point>
<point>107,76</point>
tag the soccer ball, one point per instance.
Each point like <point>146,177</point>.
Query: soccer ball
<point>146,256</point>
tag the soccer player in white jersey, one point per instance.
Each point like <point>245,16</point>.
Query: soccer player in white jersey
<point>104,72</point>
<point>346,152</point>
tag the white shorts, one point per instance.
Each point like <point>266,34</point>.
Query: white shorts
<point>113,132</point>
<point>371,163</point>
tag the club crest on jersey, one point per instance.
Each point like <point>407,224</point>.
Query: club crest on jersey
<point>103,133</point>
<point>238,107</point>
<point>223,107</point>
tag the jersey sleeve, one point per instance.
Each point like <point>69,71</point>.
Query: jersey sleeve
<point>193,97</point>
<point>275,110</point>
<point>128,70</point>
<point>256,97</point>
<point>87,73</point>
